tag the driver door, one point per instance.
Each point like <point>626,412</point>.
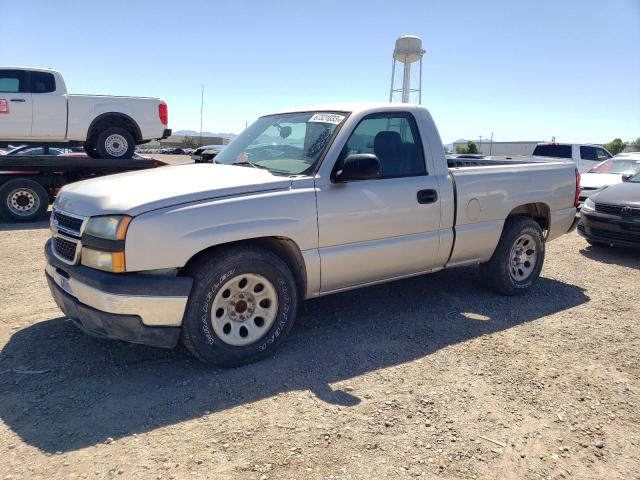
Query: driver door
<point>15,105</point>
<point>371,230</point>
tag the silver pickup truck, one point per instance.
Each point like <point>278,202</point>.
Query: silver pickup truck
<point>303,203</point>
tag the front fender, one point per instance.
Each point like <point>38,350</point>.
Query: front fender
<point>169,237</point>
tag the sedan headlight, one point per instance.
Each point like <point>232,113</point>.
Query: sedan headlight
<point>107,261</point>
<point>588,205</point>
<point>110,227</point>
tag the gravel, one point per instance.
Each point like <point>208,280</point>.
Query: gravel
<point>430,377</point>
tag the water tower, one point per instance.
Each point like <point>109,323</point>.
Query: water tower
<point>408,51</point>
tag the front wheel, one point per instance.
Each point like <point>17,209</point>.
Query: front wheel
<point>242,305</point>
<point>517,261</point>
<point>115,142</point>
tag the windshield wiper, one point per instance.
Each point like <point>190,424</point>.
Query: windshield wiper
<point>249,164</point>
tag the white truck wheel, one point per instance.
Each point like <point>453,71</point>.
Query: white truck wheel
<point>115,142</point>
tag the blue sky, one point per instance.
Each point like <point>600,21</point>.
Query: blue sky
<point>524,70</point>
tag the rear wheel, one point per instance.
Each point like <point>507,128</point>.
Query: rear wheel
<point>23,200</point>
<point>242,305</point>
<point>517,261</point>
<point>115,142</point>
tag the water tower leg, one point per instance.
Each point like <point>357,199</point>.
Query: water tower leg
<point>420,84</point>
<point>393,74</point>
<point>406,78</point>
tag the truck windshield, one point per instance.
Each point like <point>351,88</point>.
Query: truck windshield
<point>284,144</point>
<point>623,167</point>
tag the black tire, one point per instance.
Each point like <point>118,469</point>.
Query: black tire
<point>107,147</point>
<point>210,277</point>
<point>593,243</point>
<point>23,193</point>
<point>90,150</point>
<point>499,273</point>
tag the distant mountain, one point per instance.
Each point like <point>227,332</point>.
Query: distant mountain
<point>192,133</point>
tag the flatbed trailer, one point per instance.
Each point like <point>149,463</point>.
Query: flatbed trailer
<point>29,183</point>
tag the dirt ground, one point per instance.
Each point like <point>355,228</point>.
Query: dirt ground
<point>431,377</point>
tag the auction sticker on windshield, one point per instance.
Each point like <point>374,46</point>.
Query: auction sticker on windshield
<point>333,118</point>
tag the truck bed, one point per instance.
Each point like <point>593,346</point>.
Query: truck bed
<point>487,162</point>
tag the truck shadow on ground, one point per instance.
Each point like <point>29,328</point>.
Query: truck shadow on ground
<point>625,257</point>
<point>61,390</point>
<point>40,224</point>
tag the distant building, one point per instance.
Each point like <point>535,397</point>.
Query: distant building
<point>524,147</point>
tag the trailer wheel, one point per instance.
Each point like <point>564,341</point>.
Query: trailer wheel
<point>517,261</point>
<point>90,150</point>
<point>241,307</point>
<point>115,142</point>
<point>23,200</point>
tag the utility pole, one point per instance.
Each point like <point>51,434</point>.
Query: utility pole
<point>491,144</point>
<point>201,108</point>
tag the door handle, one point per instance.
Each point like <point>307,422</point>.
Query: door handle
<point>22,100</point>
<point>427,196</point>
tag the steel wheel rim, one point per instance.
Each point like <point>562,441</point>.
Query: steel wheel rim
<point>116,145</point>
<point>23,202</point>
<point>523,257</point>
<point>244,309</point>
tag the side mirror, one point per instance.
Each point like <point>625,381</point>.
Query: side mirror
<point>358,166</point>
<point>626,177</point>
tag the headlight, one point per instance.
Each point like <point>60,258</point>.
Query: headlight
<point>588,205</point>
<point>111,227</point>
<point>107,261</point>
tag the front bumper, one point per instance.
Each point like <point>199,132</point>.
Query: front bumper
<point>610,229</point>
<point>133,307</point>
<point>166,133</point>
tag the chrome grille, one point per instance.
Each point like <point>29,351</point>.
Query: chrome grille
<point>65,249</point>
<point>67,222</point>
<point>619,210</point>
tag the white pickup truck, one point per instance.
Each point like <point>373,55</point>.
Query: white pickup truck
<point>585,156</point>
<point>303,203</point>
<point>35,108</point>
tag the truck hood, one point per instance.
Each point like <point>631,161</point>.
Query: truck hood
<point>137,192</point>
<point>598,180</point>
<point>627,193</point>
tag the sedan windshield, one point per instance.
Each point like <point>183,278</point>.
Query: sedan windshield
<point>284,144</point>
<point>622,167</point>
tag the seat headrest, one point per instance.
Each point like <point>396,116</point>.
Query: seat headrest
<point>387,142</point>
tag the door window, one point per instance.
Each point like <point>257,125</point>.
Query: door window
<point>12,81</point>
<point>394,139</point>
<point>588,153</point>
<point>42,82</point>
<point>602,155</point>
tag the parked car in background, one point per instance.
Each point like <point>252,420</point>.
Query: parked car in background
<point>172,151</point>
<point>610,172</point>
<point>362,194</point>
<point>206,153</point>
<point>36,108</point>
<point>612,216</point>
<point>43,150</point>
<point>585,156</point>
